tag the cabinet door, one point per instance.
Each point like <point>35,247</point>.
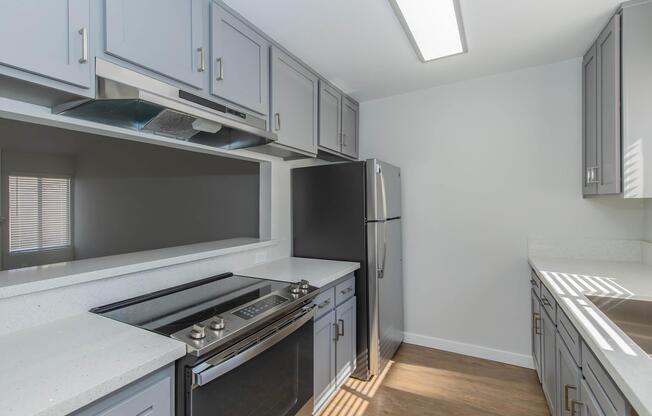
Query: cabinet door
<point>48,38</point>
<point>568,378</point>
<point>536,334</point>
<point>349,128</point>
<point>590,122</point>
<point>609,138</point>
<point>587,404</point>
<point>163,36</point>
<point>324,358</point>
<point>240,62</point>
<point>346,332</point>
<point>295,93</point>
<point>549,374</point>
<point>330,120</point>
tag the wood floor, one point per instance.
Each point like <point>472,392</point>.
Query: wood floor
<point>422,381</point>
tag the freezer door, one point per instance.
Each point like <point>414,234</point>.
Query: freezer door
<point>385,292</point>
<point>383,190</point>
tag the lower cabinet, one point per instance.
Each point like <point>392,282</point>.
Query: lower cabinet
<point>549,367</point>
<point>536,334</point>
<point>568,379</point>
<point>153,395</point>
<point>335,346</point>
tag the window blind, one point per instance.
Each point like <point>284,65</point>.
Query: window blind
<point>39,213</point>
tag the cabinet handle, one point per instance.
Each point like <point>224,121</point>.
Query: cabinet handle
<point>536,321</point>
<point>220,72</point>
<point>84,55</point>
<point>347,290</point>
<point>336,332</point>
<point>573,408</point>
<point>534,282</point>
<point>566,388</point>
<point>277,121</point>
<point>592,175</point>
<point>545,301</point>
<point>340,328</point>
<point>202,60</point>
<point>324,304</point>
<point>344,139</point>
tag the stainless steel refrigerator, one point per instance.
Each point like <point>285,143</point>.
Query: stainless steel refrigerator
<point>352,212</point>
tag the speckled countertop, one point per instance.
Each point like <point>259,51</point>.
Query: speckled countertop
<point>59,367</point>
<point>569,281</point>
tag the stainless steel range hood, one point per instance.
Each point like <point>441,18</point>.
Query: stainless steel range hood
<point>125,98</point>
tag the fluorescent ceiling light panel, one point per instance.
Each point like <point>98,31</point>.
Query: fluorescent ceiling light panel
<point>433,26</point>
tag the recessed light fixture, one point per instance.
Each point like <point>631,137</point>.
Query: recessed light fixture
<point>433,26</point>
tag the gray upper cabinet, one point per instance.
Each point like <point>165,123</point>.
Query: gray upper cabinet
<point>609,139</point>
<point>350,128</point>
<point>346,332</point>
<point>295,92</point>
<point>239,62</point>
<point>163,36</point>
<point>601,113</point>
<point>590,122</point>
<point>330,117</point>
<point>47,38</point>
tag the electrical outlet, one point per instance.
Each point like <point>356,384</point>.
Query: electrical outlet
<point>261,257</point>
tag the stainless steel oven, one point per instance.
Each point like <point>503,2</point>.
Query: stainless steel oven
<point>267,374</point>
<point>249,343</point>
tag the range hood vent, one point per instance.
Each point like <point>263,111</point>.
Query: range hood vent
<point>127,99</point>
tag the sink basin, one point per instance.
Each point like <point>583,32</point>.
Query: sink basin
<point>633,317</point>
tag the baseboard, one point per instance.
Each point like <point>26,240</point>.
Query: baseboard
<point>520,360</point>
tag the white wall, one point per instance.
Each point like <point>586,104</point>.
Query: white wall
<point>487,163</point>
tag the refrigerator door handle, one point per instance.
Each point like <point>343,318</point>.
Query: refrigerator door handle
<point>381,269</point>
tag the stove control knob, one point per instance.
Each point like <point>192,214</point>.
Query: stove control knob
<point>217,323</point>
<point>295,288</point>
<point>304,284</point>
<point>198,332</point>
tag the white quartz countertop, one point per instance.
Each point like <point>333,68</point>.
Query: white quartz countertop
<point>569,280</point>
<point>59,367</point>
<point>319,273</point>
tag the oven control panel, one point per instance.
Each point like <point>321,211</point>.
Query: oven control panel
<point>256,308</point>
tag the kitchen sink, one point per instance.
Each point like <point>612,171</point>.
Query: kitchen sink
<point>633,317</point>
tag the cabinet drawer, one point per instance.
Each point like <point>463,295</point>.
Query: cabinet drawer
<point>548,303</point>
<point>535,283</point>
<point>344,291</point>
<point>606,393</point>
<point>570,335</point>
<point>325,302</point>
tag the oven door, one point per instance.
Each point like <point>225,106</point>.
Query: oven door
<point>270,375</point>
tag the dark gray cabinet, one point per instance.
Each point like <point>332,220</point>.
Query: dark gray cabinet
<point>153,395</point>
<point>350,112</point>
<point>568,378</point>
<point>47,38</point>
<point>295,94</point>
<point>239,62</point>
<point>536,334</point>
<point>163,36</point>
<point>549,366</point>
<point>330,117</point>
<point>334,342</point>
<point>601,113</point>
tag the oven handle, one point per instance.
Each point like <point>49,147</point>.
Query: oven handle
<point>213,372</point>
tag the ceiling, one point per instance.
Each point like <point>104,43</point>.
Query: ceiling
<point>360,46</point>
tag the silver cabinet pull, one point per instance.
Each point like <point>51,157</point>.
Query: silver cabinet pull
<point>592,175</point>
<point>566,388</point>
<point>340,328</point>
<point>277,121</point>
<point>573,409</point>
<point>336,332</point>
<point>537,323</point>
<point>202,60</point>
<point>545,301</point>
<point>534,282</point>
<point>324,304</point>
<point>347,290</point>
<point>220,71</point>
<point>84,55</point>
<point>344,139</point>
